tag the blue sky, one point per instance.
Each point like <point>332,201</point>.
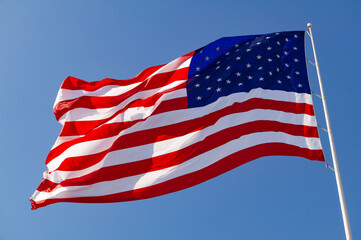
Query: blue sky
<point>43,42</point>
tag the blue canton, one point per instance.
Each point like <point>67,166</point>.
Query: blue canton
<point>274,61</point>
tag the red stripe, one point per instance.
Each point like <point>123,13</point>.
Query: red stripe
<point>179,129</point>
<point>97,102</point>
<point>73,83</point>
<point>226,164</point>
<point>182,155</point>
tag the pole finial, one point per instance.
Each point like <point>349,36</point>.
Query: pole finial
<point>309,25</point>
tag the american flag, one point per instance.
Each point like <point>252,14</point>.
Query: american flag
<point>177,125</point>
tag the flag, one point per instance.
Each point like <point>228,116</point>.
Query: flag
<point>177,125</point>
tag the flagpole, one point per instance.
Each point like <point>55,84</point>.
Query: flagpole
<point>346,222</point>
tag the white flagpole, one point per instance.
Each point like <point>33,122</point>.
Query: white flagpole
<point>346,222</point>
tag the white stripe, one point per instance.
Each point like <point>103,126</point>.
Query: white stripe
<point>192,165</point>
<point>243,96</point>
<point>106,91</point>
<point>60,140</point>
<point>182,115</point>
<point>115,90</point>
<point>179,63</point>
<point>85,114</point>
<point>169,118</point>
<point>142,152</point>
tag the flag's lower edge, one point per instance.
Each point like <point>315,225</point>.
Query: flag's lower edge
<point>226,164</point>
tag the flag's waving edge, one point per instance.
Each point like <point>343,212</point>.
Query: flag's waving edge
<point>177,125</point>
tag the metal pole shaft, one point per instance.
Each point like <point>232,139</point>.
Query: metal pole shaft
<point>346,222</point>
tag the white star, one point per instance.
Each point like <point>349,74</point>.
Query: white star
<point>248,65</point>
<point>297,72</point>
<point>227,53</point>
<point>229,67</point>
<point>270,73</point>
<point>288,77</point>
<point>286,53</point>
<point>277,69</point>
<point>199,98</point>
<point>267,37</point>
<point>248,50</point>
<point>258,43</point>
<point>296,36</point>
<point>217,67</point>
<point>294,48</point>
<point>237,50</point>
<point>286,39</point>
<point>197,85</point>
<point>260,68</point>
<point>296,60</point>
<point>261,78</point>
<point>236,45</point>
<point>249,77</point>
<point>207,58</point>
<point>218,62</point>
<point>207,77</point>
<point>269,48</point>
<point>287,65</point>
<point>238,74</point>
<point>240,84</point>
<point>217,48</point>
<point>269,60</point>
<point>198,69</point>
<point>299,85</point>
<point>278,43</point>
<point>247,43</point>
<point>279,81</point>
<point>219,79</point>
<point>209,88</point>
<point>259,57</point>
<point>278,56</point>
<point>277,33</point>
<point>197,75</point>
<point>238,58</point>
<point>218,89</point>
<point>228,81</point>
